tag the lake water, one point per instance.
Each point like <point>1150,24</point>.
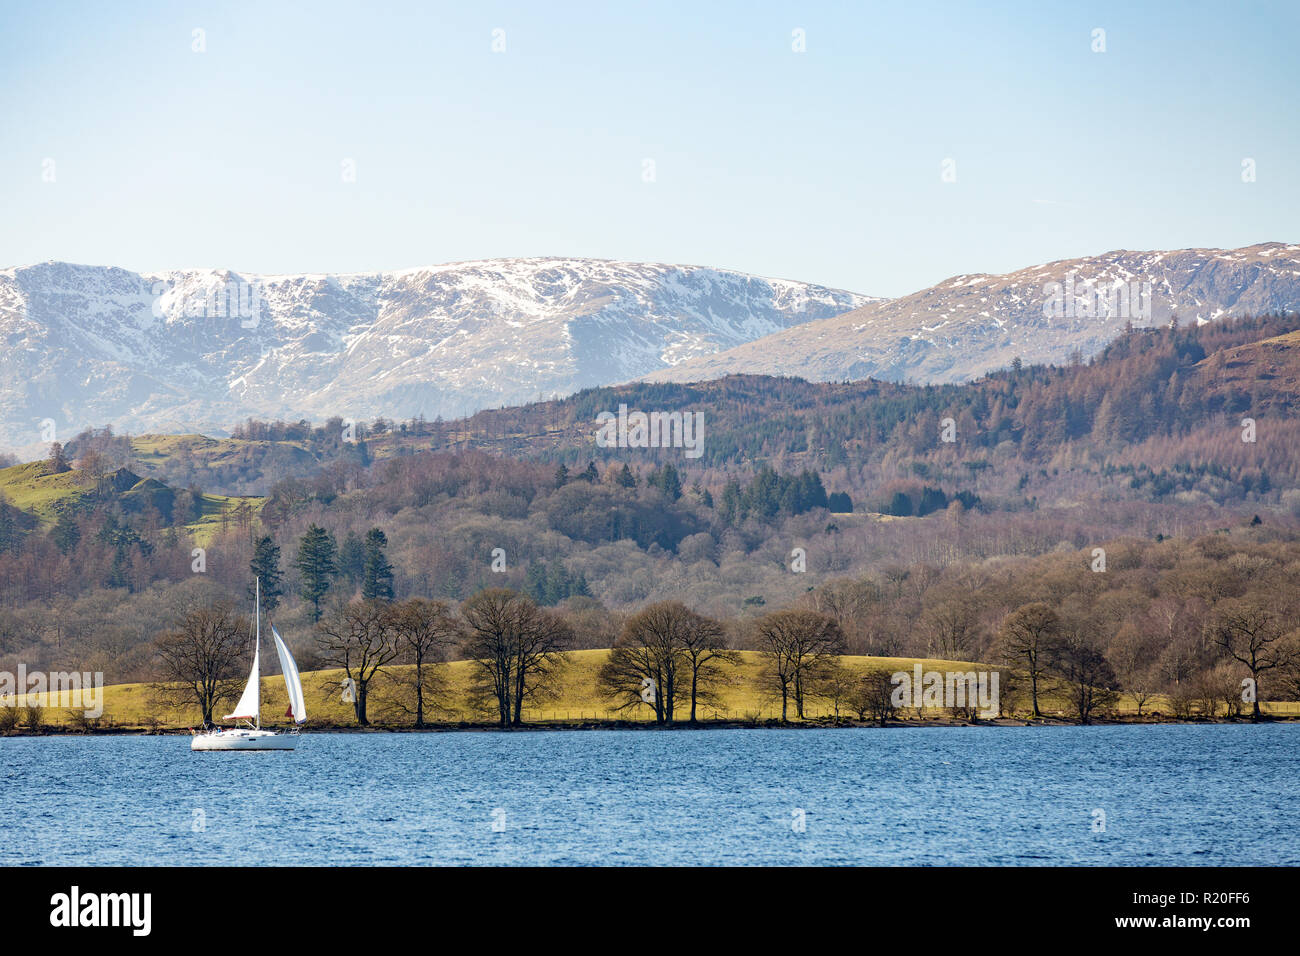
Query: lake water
<point>1199,795</point>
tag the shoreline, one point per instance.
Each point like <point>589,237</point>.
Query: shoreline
<point>598,725</point>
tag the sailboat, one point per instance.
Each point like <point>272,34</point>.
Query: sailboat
<point>251,736</point>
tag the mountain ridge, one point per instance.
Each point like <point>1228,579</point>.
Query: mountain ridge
<point>187,350</point>
<point>198,350</point>
<point>973,323</point>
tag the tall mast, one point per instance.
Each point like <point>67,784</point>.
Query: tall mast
<point>257,646</point>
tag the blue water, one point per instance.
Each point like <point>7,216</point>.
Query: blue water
<point>1199,795</point>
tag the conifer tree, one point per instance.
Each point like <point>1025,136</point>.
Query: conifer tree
<point>317,565</point>
<point>266,568</point>
<point>377,579</point>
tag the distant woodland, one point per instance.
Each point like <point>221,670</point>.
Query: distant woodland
<point>1147,499</point>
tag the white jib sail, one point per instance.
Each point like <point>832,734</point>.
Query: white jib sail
<point>292,682</point>
<point>248,706</point>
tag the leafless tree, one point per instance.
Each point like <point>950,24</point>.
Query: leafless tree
<point>1133,654</point>
<point>1253,635</point>
<point>837,685</point>
<point>1088,676</point>
<point>1182,700</point>
<point>1029,635</point>
<point>1009,687</point>
<point>201,658</point>
<point>853,603</point>
<point>796,646</point>
<point>516,649</point>
<point>424,631</point>
<point>708,658</point>
<point>1225,682</point>
<point>666,654</point>
<point>646,665</point>
<point>359,639</point>
<point>873,695</point>
<point>951,626</point>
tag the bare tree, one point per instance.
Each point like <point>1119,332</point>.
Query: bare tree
<point>853,604</point>
<point>1182,699</point>
<point>666,654</point>
<point>708,658</point>
<point>1179,659</point>
<point>647,664</point>
<point>873,696</point>
<point>951,626</point>
<point>1133,653</point>
<point>424,631</point>
<point>634,674</point>
<point>1009,683</point>
<point>1252,635</point>
<point>358,638</point>
<point>1225,682</point>
<point>1029,636</point>
<point>796,646</point>
<point>200,658</point>
<point>516,649</point>
<point>837,685</point>
<point>1088,676</point>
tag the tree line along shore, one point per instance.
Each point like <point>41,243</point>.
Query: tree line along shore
<point>500,660</point>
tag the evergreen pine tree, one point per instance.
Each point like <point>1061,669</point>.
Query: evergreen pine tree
<point>266,568</point>
<point>670,483</point>
<point>900,505</point>
<point>732,509</point>
<point>377,579</point>
<point>352,558</point>
<point>535,581</point>
<point>317,565</point>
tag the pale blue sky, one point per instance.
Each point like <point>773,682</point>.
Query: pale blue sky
<point>822,166</point>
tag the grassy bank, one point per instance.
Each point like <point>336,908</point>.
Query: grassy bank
<point>135,707</point>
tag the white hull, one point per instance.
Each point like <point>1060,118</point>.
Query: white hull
<point>244,740</point>
<point>251,736</point>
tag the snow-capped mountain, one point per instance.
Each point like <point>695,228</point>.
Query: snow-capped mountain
<point>200,350</point>
<point>972,324</point>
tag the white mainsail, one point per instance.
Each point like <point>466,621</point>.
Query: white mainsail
<point>250,703</point>
<point>292,682</point>
<point>248,707</point>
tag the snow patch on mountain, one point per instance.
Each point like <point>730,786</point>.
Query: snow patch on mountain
<point>969,325</point>
<point>173,351</point>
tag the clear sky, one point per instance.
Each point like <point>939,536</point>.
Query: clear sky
<point>824,165</point>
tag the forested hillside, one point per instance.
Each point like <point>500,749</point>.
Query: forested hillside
<point>920,517</point>
<point>1158,413</point>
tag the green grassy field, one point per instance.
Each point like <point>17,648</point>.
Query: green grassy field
<point>135,706</point>
<point>31,488</point>
<point>208,524</point>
